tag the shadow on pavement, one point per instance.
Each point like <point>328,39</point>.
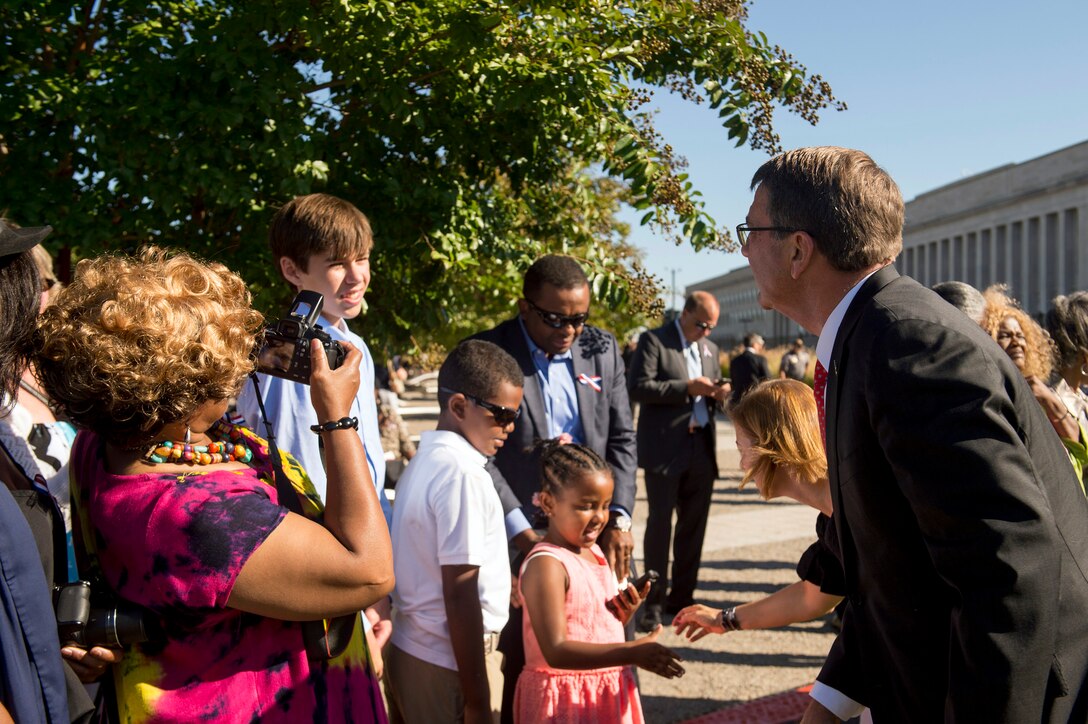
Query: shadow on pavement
<point>737,564</point>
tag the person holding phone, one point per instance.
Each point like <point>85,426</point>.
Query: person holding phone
<point>676,378</point>
<point>578,667</point>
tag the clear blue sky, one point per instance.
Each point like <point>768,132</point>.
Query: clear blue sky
<point>936,91</point>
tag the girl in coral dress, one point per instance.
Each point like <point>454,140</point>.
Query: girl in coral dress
<point>578,668</point>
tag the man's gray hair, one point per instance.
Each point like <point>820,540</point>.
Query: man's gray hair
<point>851,207</point>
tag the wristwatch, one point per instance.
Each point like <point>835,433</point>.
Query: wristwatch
<point>620,522</point>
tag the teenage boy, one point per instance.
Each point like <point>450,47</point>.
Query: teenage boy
<point>449,543</point>
<point>322,244</point>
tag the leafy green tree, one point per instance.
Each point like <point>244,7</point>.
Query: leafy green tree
<point>476,134</point>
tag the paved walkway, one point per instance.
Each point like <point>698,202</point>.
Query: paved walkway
<point>757,525</point>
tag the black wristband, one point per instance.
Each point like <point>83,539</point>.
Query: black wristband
<point>343,423</point>
<point>729,619</point>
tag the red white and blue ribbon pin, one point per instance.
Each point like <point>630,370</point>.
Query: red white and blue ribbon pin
<point>594,382</point>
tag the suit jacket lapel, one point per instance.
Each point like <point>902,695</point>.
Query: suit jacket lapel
<point>711,368</point>
<point>840,354</point>
<point>588,398</point>
<point>839,368</point>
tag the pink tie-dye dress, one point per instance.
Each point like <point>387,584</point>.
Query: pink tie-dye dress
<point>563,696</point>
<point>174,544</point>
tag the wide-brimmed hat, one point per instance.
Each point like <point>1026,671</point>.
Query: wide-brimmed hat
<point>16,241</point>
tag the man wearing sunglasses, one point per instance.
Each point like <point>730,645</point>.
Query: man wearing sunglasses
<point>575,389</point>
<point>675,376</point>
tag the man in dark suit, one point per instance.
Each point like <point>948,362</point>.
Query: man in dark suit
<point>575,388</point>
<point>749,368</point>
<point>963,531</point>
<point>674,375</point>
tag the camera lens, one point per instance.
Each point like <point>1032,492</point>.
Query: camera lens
<point>120,626</point>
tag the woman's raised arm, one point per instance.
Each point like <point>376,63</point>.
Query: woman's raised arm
<point>303,570</point>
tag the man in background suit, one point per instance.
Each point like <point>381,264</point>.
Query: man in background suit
<point>963,531</point>
<point>575,387</point>
<point>749,368</point>
<point>673,375</point>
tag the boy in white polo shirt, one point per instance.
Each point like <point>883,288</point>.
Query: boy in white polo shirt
<point>449,549</point>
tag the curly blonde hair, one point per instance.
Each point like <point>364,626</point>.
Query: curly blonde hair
<point>1039,350</point>
<point>135,343</point>
<point>781,417</point>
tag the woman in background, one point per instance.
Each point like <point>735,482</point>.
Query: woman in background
<point>44,443</point>
<point>1067,322</point>
<point>36,685</point>
<point>1032,351</point>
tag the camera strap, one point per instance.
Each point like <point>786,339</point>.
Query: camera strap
<point>326,638</point>
<point>284,490</point>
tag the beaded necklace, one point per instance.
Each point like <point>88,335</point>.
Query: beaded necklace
<point>228,447</point>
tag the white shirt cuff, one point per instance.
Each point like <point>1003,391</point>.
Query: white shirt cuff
<point>516,522</point>
<point>836,702</point>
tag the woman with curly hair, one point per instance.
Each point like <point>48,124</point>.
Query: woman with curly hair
<point>1033,352</point>
<point>178,512</point>
<point>1023,340</point>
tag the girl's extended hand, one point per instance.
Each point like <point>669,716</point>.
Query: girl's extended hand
<point>697,621</point>
<point>656,658</point>
<point>627,601</point>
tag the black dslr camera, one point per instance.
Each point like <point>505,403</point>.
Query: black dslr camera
<point>121,624</point>
<point>286,349</point>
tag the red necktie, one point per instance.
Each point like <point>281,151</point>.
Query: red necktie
<point>820,381</point>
